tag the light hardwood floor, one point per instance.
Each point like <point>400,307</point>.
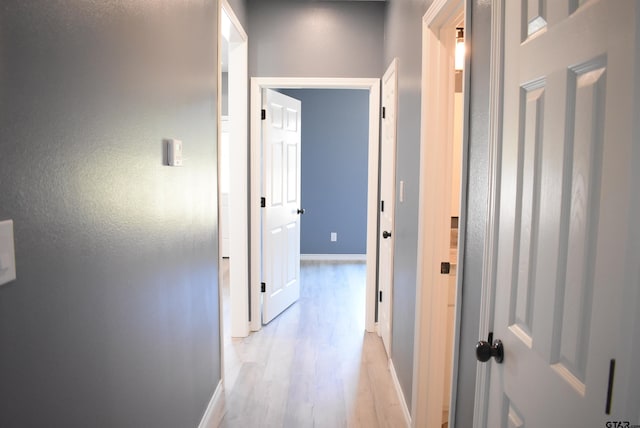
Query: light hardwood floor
<point>314,365</point>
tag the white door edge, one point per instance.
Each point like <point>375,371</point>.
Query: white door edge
<point>442,14</point>
<point>259,83</point>
<point>493,197</point>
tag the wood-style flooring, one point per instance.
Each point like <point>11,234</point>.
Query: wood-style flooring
<point>314,365</point>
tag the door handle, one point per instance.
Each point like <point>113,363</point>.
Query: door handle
<point>300,210</point>
<point>386,234</point>
<point>484,351</point>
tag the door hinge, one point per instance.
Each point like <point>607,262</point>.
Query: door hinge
<point>263,114</point>
<point>263,287</point>
<point>381,206</point>
<point>384,112</point>
<point>445,268</point>
<point>263,202</point>
<point>612,373</point>
<point>380,296</point>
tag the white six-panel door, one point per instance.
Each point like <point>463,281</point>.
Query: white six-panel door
<point>565,189</point>
<point>281,190</point>
<point>387,203</point>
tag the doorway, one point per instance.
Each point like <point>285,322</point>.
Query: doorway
<point>442,207</point>
<point>257,86</point>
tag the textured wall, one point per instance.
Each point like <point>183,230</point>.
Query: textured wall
<point>292,38</point>
<point>335,145</point>
<point>113,321</point>
<point>403,39</point>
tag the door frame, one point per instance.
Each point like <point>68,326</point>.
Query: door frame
<point>238,233</point>
<point>373,86</point>
<point>438,26</point>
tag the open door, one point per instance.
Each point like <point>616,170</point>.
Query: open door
<point>387,202</point>
<point>281,209</point>
<point>566,192</point>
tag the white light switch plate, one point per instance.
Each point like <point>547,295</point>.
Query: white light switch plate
<point>174,152</point>
<point>7,252</point>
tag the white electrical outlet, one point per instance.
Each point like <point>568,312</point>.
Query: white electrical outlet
<point>334,236</point>
<point>7,252</point>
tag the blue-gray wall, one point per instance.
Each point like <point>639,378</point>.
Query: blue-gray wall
<point>240,10</point>
<point>335,144</point>
<point>403,39</point>
<point>113,321</point>
<point>293,38</point>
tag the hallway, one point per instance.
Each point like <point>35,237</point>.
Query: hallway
<point>314,365</point>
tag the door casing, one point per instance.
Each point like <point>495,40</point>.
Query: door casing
<point>259,83</point>
<point>438,46</point>
<point>238,234</point>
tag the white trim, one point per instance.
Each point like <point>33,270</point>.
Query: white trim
<point>215,409</point>
<point>237,123</point>
<point>438,36</point>
<point>400,394</point>
<point>334,257</point>
<point>493,198</point>
<point>373,86</point>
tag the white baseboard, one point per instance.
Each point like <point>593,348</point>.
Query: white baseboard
<point>334,257</point>
<point>215,410</point>
<point>400,394</point>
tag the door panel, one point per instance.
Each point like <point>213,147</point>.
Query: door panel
<point>280,218</point>
<point>387,205</point>
<point>565,188</point>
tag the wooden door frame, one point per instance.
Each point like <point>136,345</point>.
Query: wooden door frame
<point>438,46</point>
<point>259,83</point>
<point>238,233</point>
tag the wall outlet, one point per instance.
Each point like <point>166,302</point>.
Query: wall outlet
<point>334,236</point>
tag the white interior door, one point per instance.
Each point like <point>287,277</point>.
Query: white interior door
<point>280,216</point>
<point>387,202</point>
<point>570,67</point>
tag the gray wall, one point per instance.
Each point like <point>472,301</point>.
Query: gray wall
<point>292,38</point>
<point>403,39</point>
<point>113,321</point>
<point>240,10</point>
<point>479,32</point>
<point>335,144</point>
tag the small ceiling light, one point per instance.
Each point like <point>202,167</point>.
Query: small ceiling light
<point>459,60</point>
